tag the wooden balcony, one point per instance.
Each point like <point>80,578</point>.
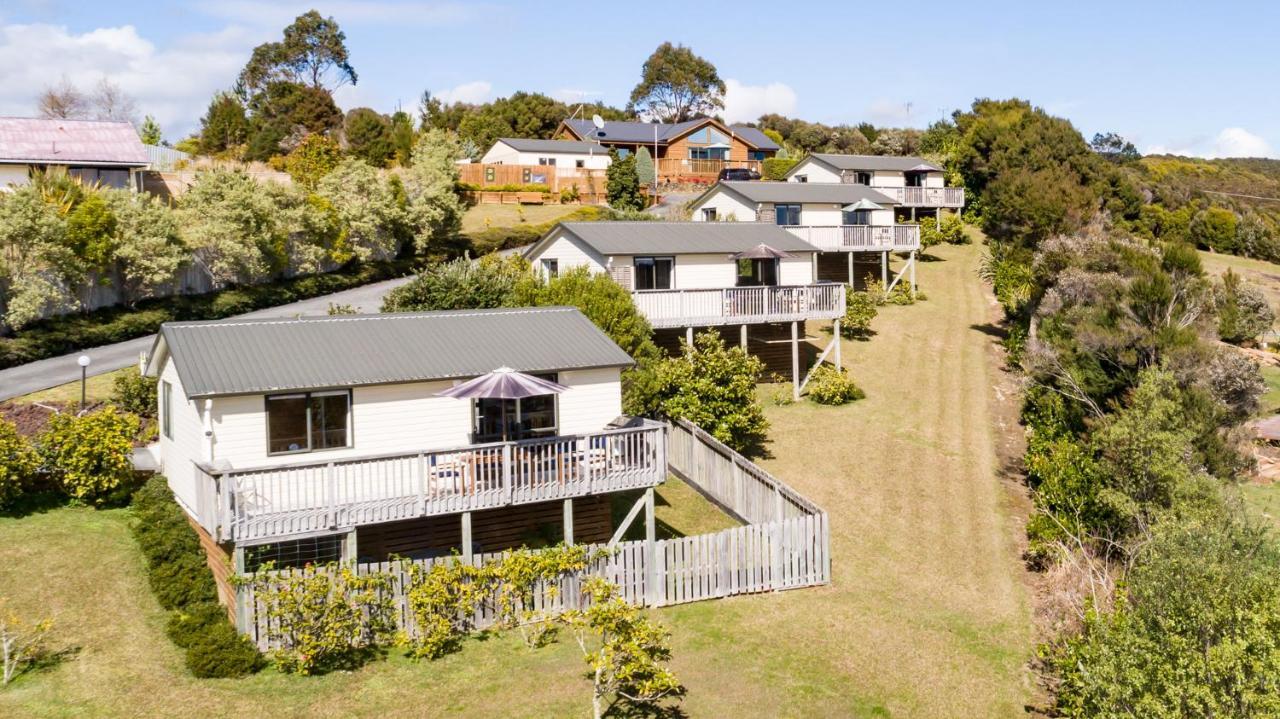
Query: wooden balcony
<point>853,238</point>
<point>261,503</point>
<point>925,196</point>
<point>740,305</point>
<point>675,169</point>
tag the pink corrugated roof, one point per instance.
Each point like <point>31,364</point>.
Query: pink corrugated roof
<point>90,142</point>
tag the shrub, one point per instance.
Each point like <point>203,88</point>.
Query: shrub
<point>622,184</point>
<point>460,284</point>
<point>219,652</point>
<point>859,311</point>
<point>91,456</point>
<point>22,644</point>
<point>950,231</point>
<point>19,463</point>
<point>1243,311</point>
<point>829,385</point>
<point>187,624</point>
<point>776,168</point>
<point>135,393</point>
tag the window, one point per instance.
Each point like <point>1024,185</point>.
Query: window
<point>857,217</point>
<point>308,421</point>
<point>755,273</point>
<point>709,214</point>
<point>579,163</point>
<point>551,268</point>
<point>914,179</point>
<point>104,177</point>
<point>653,273</point>
<point>708,153</point>
<point>862,178</point>
<point>166,414</point>
<point>757,155</point>
<point>786,214</point>
<point>800,178</point>
<point>295,554</point>
<point>497,420</point>
<point>547,161</point>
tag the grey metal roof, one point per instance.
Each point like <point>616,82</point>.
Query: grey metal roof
<point>671,238</point>
<point>253,356</point>
<point>827,192</point>
<point>643,132</point>
<point>527,144</point>
<point>873,162</point>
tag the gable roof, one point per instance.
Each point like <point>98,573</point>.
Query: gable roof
<point>267,355</point>
<point>673,238</point>
<point>841,193</point>
<point>32,140</point>
<point>643,132</point>
<point>874,162</point>
<point>577,147</point>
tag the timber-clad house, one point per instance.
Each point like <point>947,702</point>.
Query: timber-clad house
<point>690,151</point>
<point>326,438</point>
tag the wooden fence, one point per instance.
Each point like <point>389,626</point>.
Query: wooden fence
<point>588,182</point>
<point>784,543</point>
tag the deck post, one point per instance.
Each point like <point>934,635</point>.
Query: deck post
<point>835,333</point>
<point>206,421</point>
<point>651,550</point>
<point>913,274</point>
<point>795,360</point>
<point>742,336</point>
<point>349,546</point>
<point>884,268</point>
<point>913,213</point>
<point>568,521</point>
<point>466,537</point>
<point>688,336</point>
<point>850,256</point>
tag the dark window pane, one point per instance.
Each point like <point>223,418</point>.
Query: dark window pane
<point>286,424</point>
<point>653,273</point>
<point>166,404</point>
<point>329,421</point>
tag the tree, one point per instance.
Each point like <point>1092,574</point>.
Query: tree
<point>284,113</point>
<point>91,456</point>
<point>368,134</point>
<point>402,137</point>
<point>1114,147</point>
<point>91,232</point>
<point>63,101</point>
<point>224,124</point>
<point>312,160</point>
<point>313,52</point>
<point>435,210</point>
<point>460,284</point>
<point>603,301</point>
<point>150,133</point>
<point>36,261</point>
<point>677,85</point>
<point>1214,228</point>
<point>111,102</point>
<point>622,183</point>
<point>365,207</point>
<point>645,172</point>
<point>231,225</point>
<point>148,250</point>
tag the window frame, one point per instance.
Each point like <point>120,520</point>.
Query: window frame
<point>551,431</point>
<point>654,259</point>
<point>789,206</point>
<point>306,396</point>
<point>166,408</point>
<point>709,214</point>
<point>551,267</point>
<point>579,164</point>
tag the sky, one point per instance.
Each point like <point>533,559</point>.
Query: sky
<point>1197,79</point>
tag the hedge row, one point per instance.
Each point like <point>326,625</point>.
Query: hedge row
<point>183,584</point>
<point>69,333</point>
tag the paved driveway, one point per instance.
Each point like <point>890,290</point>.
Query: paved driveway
<point>42,374</point>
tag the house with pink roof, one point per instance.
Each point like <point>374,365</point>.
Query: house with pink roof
<point>109,154</point>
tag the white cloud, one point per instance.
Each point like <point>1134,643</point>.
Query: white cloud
<point>746,103</point>
<point>476,91</point>
<point>1230,142</point>
<point>277,14</point>
<point>173,84</point>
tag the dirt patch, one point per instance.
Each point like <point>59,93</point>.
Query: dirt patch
<point>31,419</point>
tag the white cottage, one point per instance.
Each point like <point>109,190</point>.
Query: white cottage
<point>911,182</point>
<point>95,151</point>
<point>313,439</point>
<point>561,154</point>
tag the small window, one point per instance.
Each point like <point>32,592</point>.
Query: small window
<point>547,161</point>
<point>787,214</point>
<point>551,268</point>
<point>757,155</point>
<point>800,178</point>
<point>857,217</point>
<point>308,422</point>
<point>862,178</point>
<point>709,214</point>
<point>579,163</point>
<point>653,273</point>
<point>166,411</point>
<point>708,153</point>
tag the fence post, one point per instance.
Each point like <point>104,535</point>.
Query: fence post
<point>651,546</point>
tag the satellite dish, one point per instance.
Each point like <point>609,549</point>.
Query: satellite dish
<point>597,121</point>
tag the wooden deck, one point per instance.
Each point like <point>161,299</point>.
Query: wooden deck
<point>859,238</point>
<point>740,305</point>
<point>269,503</point>
<point>676,169</point>
<point>925,196</point>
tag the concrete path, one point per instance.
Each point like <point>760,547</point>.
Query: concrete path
<point>42,374</point>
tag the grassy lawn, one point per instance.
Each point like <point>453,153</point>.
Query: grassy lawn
<point>510,215</point>
<point>927,615</point>
<point>97,389</point>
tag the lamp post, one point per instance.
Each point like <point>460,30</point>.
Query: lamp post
<point>84,363</point>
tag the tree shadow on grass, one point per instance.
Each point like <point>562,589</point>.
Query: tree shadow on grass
<point>632,710</point>
<point>34,503</point>
<point>47,662</point>
<point>924,256</point>
<point>991,330</point>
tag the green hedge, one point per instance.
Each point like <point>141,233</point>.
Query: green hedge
<point>69,333</point>
<point>182,582</point>
<point>535,187</point>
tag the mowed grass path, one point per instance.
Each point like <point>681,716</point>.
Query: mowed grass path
<point>927,616</point>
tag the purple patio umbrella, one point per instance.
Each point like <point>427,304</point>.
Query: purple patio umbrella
<point>503,383</point>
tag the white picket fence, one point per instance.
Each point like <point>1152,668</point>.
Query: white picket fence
<point>784,544</point>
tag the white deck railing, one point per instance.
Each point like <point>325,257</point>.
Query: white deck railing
<point>924,196</point>
<point>277,502</point>
<point>845,238</point>
<point>740,305</point>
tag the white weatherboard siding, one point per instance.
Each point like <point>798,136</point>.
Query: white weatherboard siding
<point>504,154</point>
<point>888,178</point>
<point>405,417</point>
<point>567,252</point>
<point>717,271</point>
<point>934,179</point>
<point>727,205</point>
<point>180,453</point>
<point>797,271</point>
<point>813,171</point>
<point>13,175</point>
